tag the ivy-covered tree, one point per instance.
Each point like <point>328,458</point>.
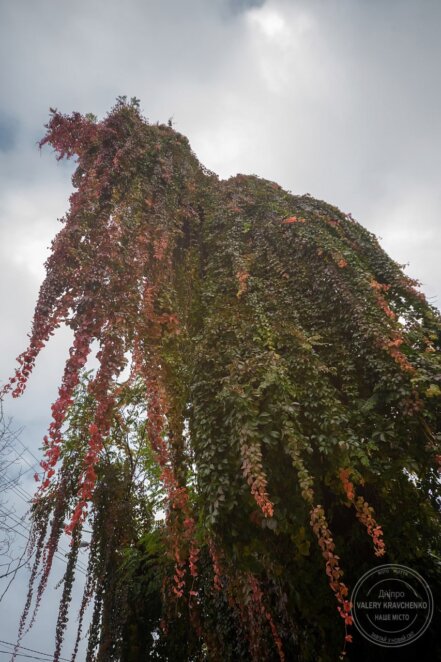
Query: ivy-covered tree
<point>263,425</point>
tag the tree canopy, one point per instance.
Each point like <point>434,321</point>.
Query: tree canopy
<point>263,426</point>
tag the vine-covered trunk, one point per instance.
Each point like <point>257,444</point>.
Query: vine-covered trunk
<point>263,426</point>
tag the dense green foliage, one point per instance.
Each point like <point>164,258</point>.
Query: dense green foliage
<point>284,383</point>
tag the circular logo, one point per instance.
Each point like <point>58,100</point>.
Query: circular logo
<point>392,605</point>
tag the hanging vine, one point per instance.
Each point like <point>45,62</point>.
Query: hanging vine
<point>259,356</point>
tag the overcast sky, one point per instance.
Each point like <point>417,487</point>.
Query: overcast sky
<point>337,98</point>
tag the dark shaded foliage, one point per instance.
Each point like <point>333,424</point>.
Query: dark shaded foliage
<point>283,391</point>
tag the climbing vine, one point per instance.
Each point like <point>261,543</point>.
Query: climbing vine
<point>268,380</point>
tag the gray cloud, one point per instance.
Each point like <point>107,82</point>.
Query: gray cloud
<point>243,5</point>
<point>8,132</point>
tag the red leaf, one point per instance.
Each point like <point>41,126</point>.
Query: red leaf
<point>293,219</point>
